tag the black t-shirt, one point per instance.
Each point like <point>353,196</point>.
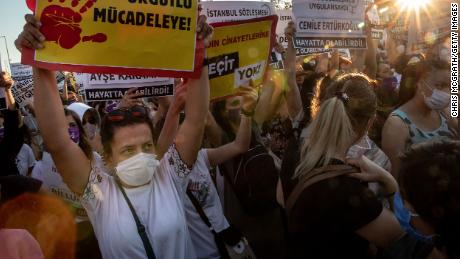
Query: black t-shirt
<point>11,144</point>
<point>323,221</point>
<point>15,185</point>
<point>288,166</point>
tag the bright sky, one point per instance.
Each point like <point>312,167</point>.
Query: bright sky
<point>11,22</point>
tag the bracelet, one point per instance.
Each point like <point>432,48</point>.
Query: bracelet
<point>248,114</point>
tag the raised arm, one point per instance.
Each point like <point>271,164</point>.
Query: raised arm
<point>190,134</point>
<point>271,98</point>
<point>70,160</point>
<point>242,141</point>
<point>171,124</point>
<point>293,99</point>
<point>371,57</point>
<point>11,139</point>
<point>6,83</point>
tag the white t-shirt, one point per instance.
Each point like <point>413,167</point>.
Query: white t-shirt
<point>45,171</point>
<point>25,159</point>
<point>205,192</point>
<point>159,206</point>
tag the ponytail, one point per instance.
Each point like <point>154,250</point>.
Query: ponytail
<point>341,113</point>
<point>332,131</point>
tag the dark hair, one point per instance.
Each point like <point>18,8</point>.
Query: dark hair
<point>84,142</point>
<point>430,180</point>
<point>93,115</point>
<point>108,129</point>
<point>24,130</point>
<point>413,73</point>
<point>98,110</point>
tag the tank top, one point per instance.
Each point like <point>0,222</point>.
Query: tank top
<point>417,135</point>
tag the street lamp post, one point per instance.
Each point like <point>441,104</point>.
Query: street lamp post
<point>7,52</point>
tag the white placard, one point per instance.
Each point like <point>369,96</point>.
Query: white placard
<point>109,79</point>
<point>103,87</point>
<point>227,11</point>
<point>23,87</point>
<point>19,70</point>
<point>284,17</point>
<point>329,18</point>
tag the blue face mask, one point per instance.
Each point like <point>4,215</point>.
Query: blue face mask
<point>74,134</point>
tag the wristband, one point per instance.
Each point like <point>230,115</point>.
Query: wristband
<point>247,114</point>
<point>205,62</point>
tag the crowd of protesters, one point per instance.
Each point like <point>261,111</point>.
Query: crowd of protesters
<point>331,157</point>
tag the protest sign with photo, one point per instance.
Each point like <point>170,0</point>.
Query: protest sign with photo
<point>239,52</point>
<point>102,87</point>
<point>229,11</point>
<point>331,24</point>
<point>276,61</point>
<point>119,37</point>
<point>374,18</point>
<point>284,17</point>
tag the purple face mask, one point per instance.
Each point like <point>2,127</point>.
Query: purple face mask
<point>74,134</point>
<point>390,83</point>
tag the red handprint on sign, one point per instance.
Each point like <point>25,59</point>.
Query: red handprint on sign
<point>62,24</point>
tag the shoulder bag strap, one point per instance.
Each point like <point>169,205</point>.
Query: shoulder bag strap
<point>318,175</point>
<point>200,211</point>
<point>221,246</point>
<point>140,228</point>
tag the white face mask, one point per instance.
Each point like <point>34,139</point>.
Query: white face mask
<point>90,130</point>
<point>138,170</point>
<point>444,55</point>
<point>438,100</point>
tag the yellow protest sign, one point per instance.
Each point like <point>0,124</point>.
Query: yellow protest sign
<point>239,52</point>
<point>118,36</point>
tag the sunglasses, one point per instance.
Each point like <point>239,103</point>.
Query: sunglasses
<point>119,115</point>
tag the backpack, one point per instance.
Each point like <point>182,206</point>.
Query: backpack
<point>253,177</point>
<point>317,175</point>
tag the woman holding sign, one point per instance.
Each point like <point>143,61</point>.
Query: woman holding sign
<point>136,208</point>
